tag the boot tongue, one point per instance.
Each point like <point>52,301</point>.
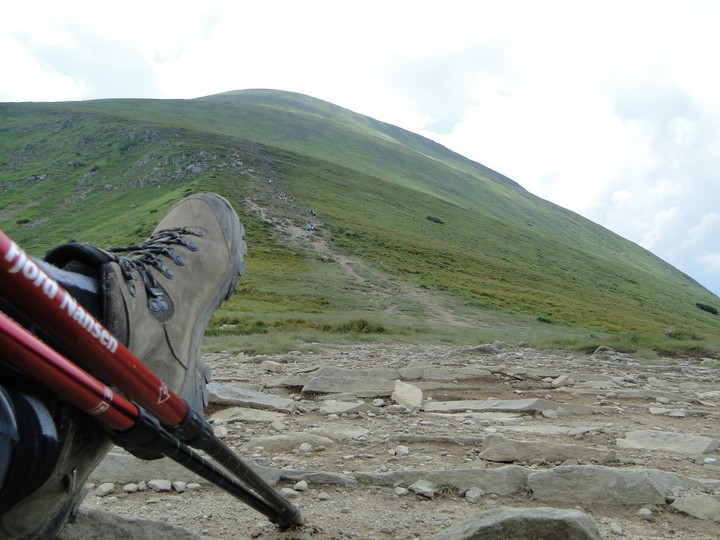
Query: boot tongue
<point>81,258</point>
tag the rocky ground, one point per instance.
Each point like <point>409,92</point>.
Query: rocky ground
<point>382,441</point>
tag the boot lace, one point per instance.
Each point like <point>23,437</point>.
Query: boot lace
<point>141,258</point>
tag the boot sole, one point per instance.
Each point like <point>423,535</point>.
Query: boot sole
<point>194,388</point>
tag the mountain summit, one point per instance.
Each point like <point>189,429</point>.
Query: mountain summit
<point>395,202</point>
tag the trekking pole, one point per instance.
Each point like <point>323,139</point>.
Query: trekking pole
<point>127,423</point>
<point>39,297</point>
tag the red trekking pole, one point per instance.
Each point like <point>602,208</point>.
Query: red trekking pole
<point>45,303</point>
<point>127,422</point>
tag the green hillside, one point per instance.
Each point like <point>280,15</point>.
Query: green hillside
<point>410,214</point>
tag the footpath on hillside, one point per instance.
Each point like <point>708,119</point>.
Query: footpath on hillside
<point>291,224</point>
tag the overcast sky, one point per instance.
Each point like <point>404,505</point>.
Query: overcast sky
<point>610,109</point>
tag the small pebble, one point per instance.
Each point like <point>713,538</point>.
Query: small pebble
<point>180,487</point>
<point>105,489</point>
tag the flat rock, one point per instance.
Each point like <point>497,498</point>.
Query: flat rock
<point>485,348</point>
<point>92,524</point>
<point>702,506</point>
<point>444,439</point>
<point>317,477</point>
<point>434,373</point>
<point>245,414</point>
<point>498,417</point>
<point>594,484</point>
<point>225,394</point>
<point>683,443</point>
<point>333,406</point>
<point>572,409</point>
<point>595,385</point>
<point>499,448</point>
<point>371,373</point>
<point>340,433</point>
<point>585,377</point>
<point>649,394</point>
<point>545,523</point>
<point>538,429</point>
<point>508,405</point>
<point>361,386</point>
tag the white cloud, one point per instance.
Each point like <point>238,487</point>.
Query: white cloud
<point>28,79</point>
<point>662,224</point>
<point>610,109</point>
<point>710,262</point>
<point>621,195</point>
<point>700,233</point>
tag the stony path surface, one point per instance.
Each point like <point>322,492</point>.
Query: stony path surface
<point>382,441</point>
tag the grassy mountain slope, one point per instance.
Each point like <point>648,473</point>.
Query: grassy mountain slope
<point>104,170</point>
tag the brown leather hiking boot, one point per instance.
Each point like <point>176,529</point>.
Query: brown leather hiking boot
<point>157,298</point>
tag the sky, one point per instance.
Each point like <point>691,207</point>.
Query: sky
<point>609,109</point>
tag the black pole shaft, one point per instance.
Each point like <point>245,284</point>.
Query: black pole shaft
<point>288,514</point>
<point>196,432</point>
<point>148,433</point>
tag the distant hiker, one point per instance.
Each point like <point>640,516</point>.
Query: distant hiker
<point>312,213</point>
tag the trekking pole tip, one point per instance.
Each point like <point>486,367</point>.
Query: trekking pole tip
<point>289,517</point>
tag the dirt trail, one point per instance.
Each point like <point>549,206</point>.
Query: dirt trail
<point>357,271</point>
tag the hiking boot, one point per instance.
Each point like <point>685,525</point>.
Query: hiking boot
<point>158,296</point>
<point>157,299</point>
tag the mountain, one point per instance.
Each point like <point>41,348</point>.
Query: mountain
<point>394,208</point>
